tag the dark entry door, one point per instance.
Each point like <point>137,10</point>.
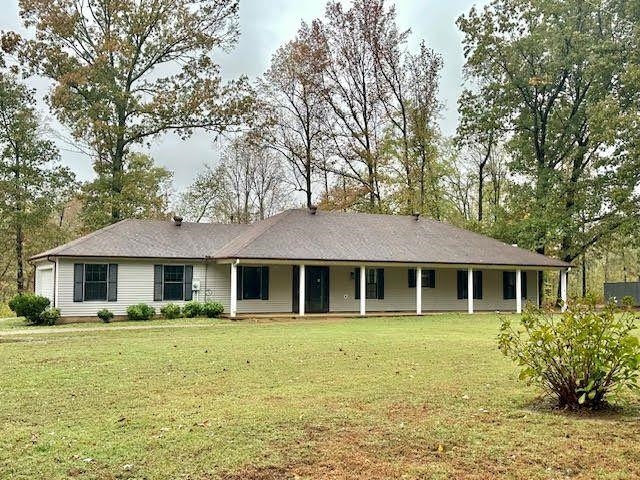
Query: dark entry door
<point>316,289</point>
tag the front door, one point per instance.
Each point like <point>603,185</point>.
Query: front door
<point>316,289</point>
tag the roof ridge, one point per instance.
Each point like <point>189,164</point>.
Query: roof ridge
<point>251,235</point>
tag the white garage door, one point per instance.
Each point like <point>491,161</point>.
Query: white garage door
<point>44,282</point>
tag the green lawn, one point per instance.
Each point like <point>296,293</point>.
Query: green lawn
<point>363,398</point>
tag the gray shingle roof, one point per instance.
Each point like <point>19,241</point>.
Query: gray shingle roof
<point>298,235</point>
<point>150,239</point>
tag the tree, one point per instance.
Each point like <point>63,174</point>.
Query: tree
<point>553,76</point>
<point>423,108</point>
<point>143,193</point>
<point>32,184</point>
<point>200,201</point>
<point>408,85</point>
<point>293,93</point>
<point>352,92</point>
<point>126,72</point>
<point>248,184</point>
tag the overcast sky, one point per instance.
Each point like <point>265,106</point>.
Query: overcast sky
<point>265,25</point>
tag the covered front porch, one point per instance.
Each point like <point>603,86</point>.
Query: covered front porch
<point>345,289</point>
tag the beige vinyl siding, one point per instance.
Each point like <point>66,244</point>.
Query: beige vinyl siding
<point>398,297</point>
<point>217,286</point>
<point>280,293</point>
<point>135,285</point>
<point>45,274</point>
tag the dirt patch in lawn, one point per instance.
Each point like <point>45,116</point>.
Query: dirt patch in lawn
<point>356,452</point>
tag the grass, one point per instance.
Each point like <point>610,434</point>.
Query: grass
<point>426,397</point>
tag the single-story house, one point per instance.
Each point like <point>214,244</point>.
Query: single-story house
<point>297,262</point>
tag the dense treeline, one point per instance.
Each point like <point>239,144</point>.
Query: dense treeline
<point>346,117</point>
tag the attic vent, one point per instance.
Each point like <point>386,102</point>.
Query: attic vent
<point>416,216</point>
<point>177,220</point>
<point>313,209</point>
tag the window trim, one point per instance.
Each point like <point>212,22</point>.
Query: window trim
<point>84,283</point>
<point>430,271</point>
<point>164,282</point>
<point>523,284</point>
<point>263,283</point>
<point>478,287</point>
<point>379,283</point>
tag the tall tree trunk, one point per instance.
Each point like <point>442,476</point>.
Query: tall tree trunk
<point>584,276</point>
<point>481,167</point>
<point>19,257</point>
<point>19,233</point>
<point>307,177</point>
<point>480,189</point>
<point>117,168</point>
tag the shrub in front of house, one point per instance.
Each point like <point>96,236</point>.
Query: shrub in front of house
<point>578,357</point>
<point>170,311</point>
<point>192,309</point>
<point>105,315</point>
<point>212,309</point>
<point>141,311</point>
<point>29,306</point>
<point>50,316</point>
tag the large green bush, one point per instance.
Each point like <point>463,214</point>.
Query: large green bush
<point>171,310</point>
<point>578,357</point>
<point>141,311</point>
<point>192,309</point>
<point>212,309</point>
<point>29,306</point>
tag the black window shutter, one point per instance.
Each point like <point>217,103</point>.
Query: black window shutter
<point>506,290</point>
<point>380,279</point>
<point>78,282</point>
<point>157,283</point>
<point>239,282</point>
<point>523,282</point>
<point>264,283</point>
<point>112,287</point>
<point>356,276</point>
<point>477,285</point>
<point>462,284</point>
<point>188,282</point>
<point>411,277</point>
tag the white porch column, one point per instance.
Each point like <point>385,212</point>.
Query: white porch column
<point>301,292</point>
<point>470,290</point>
<point>233,300</point>
<point>563,290</point>
<point>419,291</point>
<point>518,291</point>
<point>363,290</point>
